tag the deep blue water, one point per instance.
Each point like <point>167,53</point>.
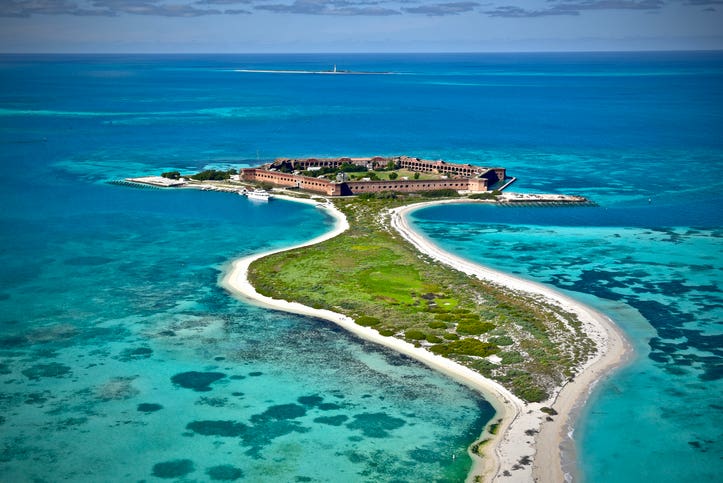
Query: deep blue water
<point>113,329</point>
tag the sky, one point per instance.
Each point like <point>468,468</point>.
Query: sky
<point>266,26</point>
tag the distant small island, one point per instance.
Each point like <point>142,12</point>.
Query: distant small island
<point>333,71</point>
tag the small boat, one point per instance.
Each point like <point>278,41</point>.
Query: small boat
<point>259,195</point>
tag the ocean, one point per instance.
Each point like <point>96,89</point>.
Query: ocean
<point>122,359</point>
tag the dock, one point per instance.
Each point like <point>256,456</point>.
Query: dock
<point>535,199</point>
<point>158,181</point>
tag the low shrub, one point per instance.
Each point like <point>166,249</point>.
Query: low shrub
<point>470,347</point>
<point>474,327</point>
<point>512,357</point>
<point>443,193</point>
<point>437,325</point>
<point>483,366</point>
<point>415,334</point>
<point>502,340</point>
<point>532,394</point>
<point>211,174</point>
<point>488,195</point>
<point>171,175</point>
<point>367,321</point>
<point>525,387</point>
<point>445,316</point>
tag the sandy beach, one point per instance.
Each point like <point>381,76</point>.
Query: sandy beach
<point>544,448</point>
<point>506,453</point>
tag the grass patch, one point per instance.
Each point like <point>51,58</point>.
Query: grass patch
<point>468,347</point>
<point>370,274</point>
<point>367,321</point>
<point>414,334</point>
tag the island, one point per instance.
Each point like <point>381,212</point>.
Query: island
<point>531,351</point>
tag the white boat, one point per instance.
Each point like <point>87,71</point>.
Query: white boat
<point>259,195</point>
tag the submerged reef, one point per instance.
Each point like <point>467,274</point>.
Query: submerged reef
<point>198,381</point>
<point>173,469</point>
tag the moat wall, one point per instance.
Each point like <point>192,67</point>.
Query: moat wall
<point>459,177</point>
<point>330,188</point>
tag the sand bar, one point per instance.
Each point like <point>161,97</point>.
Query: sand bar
<point>544,448</point>
<point>510,444</point>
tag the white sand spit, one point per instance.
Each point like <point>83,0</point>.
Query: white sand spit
<point>512,442</point>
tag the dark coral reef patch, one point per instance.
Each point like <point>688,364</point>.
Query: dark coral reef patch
<point>375,425</point>
<point>224,473</point>
<point>198,381</point>
<point>52,369</point>
<point>149,407</point>
<point>173,469</point>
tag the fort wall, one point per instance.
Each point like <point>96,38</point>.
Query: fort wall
<point>459,177</point>
<point>324,186</point>
<point>331,188</point>
<point>406,162</point>
<point>414,186</point>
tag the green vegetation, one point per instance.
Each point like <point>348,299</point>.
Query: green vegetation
<point>469,347</point>
<point>443,193</point>
<point>476,449</point>
<point>502,340</point>
<point>372,275</point>
<point>488,195</point>
<point>366,321</point>
<point>213,175</point>
<point>512,357</point>
<point>358,172</point>
<point>415,334</point>
<point>171,175</point>
<point>381,195</point>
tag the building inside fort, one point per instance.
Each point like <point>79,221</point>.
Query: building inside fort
<point>287,172</point>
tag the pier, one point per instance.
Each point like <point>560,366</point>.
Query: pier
<point>133,184</point>
<point>542,200</point>
<point>158,181</point>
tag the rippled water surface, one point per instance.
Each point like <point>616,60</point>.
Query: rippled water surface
<point>122,359</point>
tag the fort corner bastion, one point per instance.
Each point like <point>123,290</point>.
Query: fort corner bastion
<point>295,173</point>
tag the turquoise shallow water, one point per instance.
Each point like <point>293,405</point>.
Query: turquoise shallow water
<point>121,359</point>
<point>661,285</point>
<point>120,353</point>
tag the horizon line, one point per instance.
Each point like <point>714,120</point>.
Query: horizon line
<point>601,51</point>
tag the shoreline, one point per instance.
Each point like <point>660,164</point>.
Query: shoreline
<point>546,445</point>
<point>510,444</point>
